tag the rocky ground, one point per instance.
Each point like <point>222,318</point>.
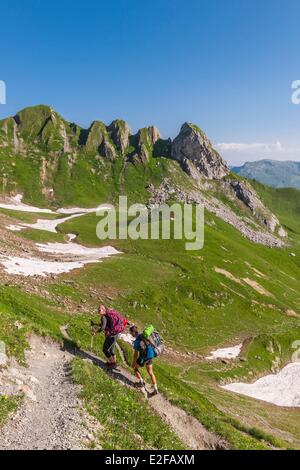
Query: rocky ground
<point>250,228</point>
<point>51,415</point>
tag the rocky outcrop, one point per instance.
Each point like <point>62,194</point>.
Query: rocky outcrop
<point>194,151</point>
<point>95,136</point>
<point>37,126</point>
<point>120,133</point>
<point>107,150</point>
<point>166,192</point>
<point>144,142</point>
<point>98,140</point>
<point>245,193</point>
<point>154,134</point>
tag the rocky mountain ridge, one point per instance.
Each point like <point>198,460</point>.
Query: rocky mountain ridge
<point>44,128</point>
<point>43,155</point>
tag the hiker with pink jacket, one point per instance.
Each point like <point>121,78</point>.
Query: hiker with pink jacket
<point>112,324</point>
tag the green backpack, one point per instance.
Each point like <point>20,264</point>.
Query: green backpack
<point>152,337</point>
<point>149,329</point>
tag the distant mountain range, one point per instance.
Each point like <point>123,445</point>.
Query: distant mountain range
<point>272,172</point>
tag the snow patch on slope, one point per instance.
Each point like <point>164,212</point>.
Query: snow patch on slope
<point>15,203</point>
<point>79,257</point>
<point>79,251</point>
<point>225,353</point>
<point>281,389</point>
<point>50,225</point>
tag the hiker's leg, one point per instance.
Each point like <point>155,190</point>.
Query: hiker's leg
<point>109,349</point>
<point>151,373</point>
<point>137,372</point>
<point>153,378</point>
<point>113,357</point>
<point>141,382</point>
<point>106,345</point>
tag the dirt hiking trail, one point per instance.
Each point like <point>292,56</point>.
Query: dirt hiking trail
<point>191,432</point>
<point>52,415</point>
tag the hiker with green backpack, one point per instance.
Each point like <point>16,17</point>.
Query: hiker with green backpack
<point>147,346</point>
<point>112,324</point>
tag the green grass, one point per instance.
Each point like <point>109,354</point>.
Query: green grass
<point>125,416</point>
<point>33,312</point>
<point>284,202</point>
<point>7,406</point>
<point>42,236</point>
<point>195,308</point>
<point>27,217</point>
<point>214,300</point>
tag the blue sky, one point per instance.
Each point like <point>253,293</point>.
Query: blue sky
<point>226,65</point>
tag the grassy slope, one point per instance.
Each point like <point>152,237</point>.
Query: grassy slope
<point>87,179</point>
<point>126,418</point>
<point>284,202</point>
<point>196,309</point>
<point>199,309</point>
<point>192,285</point>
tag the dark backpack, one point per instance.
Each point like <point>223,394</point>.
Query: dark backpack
<point>115,322</point>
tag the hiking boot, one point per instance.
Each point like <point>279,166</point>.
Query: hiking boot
<point>140,384</point>
<point>111,365</point>
<point>153,392</point>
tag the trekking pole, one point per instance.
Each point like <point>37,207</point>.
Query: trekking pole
<point>92,330</point>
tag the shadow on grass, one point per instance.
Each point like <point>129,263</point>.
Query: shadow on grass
<point>72,348</point>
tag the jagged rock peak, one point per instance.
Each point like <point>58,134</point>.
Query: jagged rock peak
<point>98,139</point>
<point>43,126</point>
<point>148,135</point>
<point>145,139</point>
<point>120,133</point>
<point>154,134</point>
<point>194,150</point>
<point>246,193</point>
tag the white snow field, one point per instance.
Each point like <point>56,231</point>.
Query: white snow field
<point>49,225</point>
<point>76,210</point>
<point>72,255</point>
<point>36,267</point>
<point>14,228</point>
<point>80,256</point>
<point>225,353</point>
<point>79,252</point>
<point>15,203</point>
<point>127,338</point>
<point>281,389</point>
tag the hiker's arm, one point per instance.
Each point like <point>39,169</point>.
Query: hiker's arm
<point>103,323</point>
<point>95,328</point>
<point>135,356</point>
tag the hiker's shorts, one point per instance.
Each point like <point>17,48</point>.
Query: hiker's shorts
<point>144,362</point>
<point>109,346</point>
